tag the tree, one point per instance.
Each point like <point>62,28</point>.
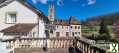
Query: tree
<point>104,30</point>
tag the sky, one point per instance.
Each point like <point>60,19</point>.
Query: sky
<point>81,9</point>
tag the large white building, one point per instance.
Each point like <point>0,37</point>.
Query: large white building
<point>20,19</point>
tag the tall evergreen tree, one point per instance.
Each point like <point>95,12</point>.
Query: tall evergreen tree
<point>103,27</point>
<point>104,30</point>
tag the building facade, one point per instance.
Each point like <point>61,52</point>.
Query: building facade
<point>115,29</point>
<point>66,28</point>
<point>63,28</point>
<point>20,19</point>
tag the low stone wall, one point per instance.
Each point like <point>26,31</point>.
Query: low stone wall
<point>28,50</point>
<point>53,45</point>
<point>40,43</point>
<point>40,50</point>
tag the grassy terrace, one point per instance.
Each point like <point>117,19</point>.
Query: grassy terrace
<point>95,29</point>
<point>104,46</point>
<point>91,29</point>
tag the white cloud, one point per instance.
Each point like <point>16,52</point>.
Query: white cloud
<point>90,2</point>
<point>34,1</point>
<point>59,2</point>
<point>42,1</point>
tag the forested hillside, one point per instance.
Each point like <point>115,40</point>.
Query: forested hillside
<point>109,19</point>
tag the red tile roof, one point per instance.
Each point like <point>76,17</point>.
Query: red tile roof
<point>19,28</point>
<point>61,22</point>
<point>72,21</point>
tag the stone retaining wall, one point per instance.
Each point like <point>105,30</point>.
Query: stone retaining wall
<point>40,50</point>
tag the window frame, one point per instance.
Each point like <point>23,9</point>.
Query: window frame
<point>67,34</point>
<point>78,27</point>
<point>57,34</point>
<point>8,14</point>
<point>79,33</point>
<point>71,27</point>
<point>73,34</point>
<point>76,33</point>
<point>75,27</point>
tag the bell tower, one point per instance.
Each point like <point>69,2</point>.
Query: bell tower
<point>51,12</point>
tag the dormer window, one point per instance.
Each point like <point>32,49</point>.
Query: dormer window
<point>11,17</point>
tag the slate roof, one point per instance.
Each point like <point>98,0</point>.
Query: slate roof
<point>19,28</point>
<point>1,1</point>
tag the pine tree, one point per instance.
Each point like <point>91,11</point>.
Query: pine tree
<point>104,33</point>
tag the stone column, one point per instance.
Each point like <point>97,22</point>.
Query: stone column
<point>89,51</point>
<point>84,48</point>
<point>92,50</point>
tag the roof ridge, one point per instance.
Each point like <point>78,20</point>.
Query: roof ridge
<point>5,3</point>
